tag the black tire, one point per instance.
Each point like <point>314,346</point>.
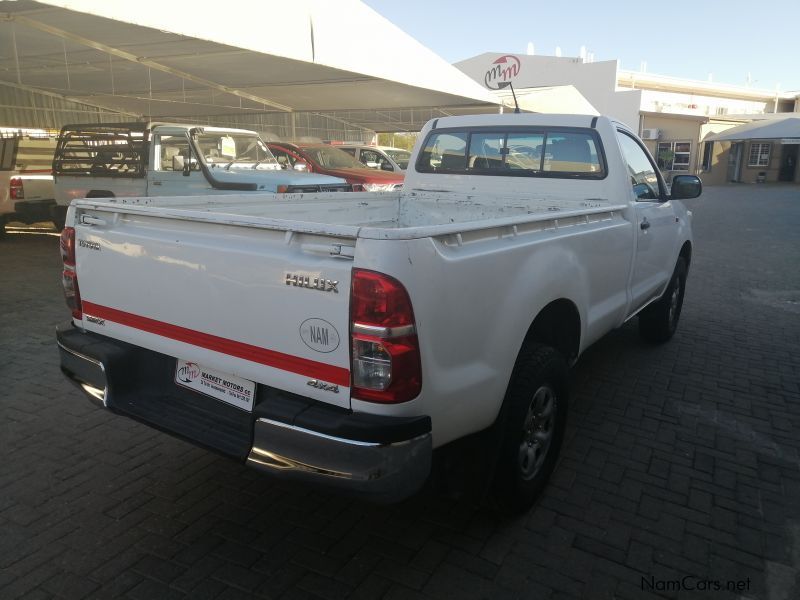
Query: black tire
<point>535,415</point>
<point>658,322</point>
<point>2,227</point>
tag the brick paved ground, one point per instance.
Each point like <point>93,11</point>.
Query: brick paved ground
<point>681,460</point>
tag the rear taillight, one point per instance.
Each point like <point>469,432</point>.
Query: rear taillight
<point>68,247</point>
<point>69,277</point>
<point>385,349</point>
<point>15,189</point>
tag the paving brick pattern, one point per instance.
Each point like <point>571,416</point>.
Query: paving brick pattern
<point>681,460</point>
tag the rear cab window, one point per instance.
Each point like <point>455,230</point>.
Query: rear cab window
<point>512,152</point>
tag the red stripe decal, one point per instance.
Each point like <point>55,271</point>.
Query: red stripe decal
<point>271,358</point>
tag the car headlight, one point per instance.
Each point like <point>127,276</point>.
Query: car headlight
<point>378,187</point>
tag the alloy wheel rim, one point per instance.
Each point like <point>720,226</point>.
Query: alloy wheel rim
<point>537,433</point>
<point>674,300</point>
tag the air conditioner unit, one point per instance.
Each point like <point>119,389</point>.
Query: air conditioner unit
<point>650,134</point>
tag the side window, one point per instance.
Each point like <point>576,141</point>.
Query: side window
<point>641,171</point>
<point>350,151</point>
<point>173,152</point>
<point>285,159</point>
<point>444,152</point>
<point>372,159</point>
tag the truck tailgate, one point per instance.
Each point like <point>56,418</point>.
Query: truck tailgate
<point>270,306</point>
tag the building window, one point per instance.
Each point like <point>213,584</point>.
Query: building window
<point>708,155</point>
<point>759,155</point>
<point>673,156</point>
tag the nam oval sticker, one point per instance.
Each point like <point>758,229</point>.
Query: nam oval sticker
<point>319,335</point>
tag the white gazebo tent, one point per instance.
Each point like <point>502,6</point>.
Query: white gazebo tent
<point>239,62</point>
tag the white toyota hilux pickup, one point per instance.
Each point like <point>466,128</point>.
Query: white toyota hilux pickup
<point>340,339</point>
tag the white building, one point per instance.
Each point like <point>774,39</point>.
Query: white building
<point>673,116</point>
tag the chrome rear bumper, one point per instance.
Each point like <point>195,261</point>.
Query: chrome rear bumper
<point>379,471</point>
<point>384,459</point>
<point>86,372</point>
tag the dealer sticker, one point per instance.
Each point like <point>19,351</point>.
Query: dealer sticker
<point>228,388</point>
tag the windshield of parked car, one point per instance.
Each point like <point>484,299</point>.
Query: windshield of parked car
<point>329,157</point>
<point>401,157</point>
<point>234,150</point>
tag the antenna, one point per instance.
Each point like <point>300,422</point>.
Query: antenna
<point>503,85</point>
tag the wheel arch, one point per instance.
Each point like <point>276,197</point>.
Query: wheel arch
<point>558,324</point>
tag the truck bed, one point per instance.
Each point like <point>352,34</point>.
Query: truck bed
<point>395,215</point>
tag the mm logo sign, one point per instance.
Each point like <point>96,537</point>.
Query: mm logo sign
<point>504,69</point>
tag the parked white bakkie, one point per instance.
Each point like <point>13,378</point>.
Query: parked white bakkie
<point>341,340</point>
<point>168,159</point>
<point>26,179</point>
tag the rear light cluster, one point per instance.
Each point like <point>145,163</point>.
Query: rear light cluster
<point>15,189</point>
<point>69,277</point>
<point>385,350</point>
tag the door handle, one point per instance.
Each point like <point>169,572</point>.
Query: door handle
<point>644,225</point>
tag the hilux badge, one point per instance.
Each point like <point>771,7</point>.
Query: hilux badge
<point>313,283</point>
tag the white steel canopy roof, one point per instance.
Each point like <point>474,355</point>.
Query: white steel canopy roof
<point>184,59</point>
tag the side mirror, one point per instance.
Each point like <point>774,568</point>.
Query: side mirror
<point>300,166</point>
<point>386,167</point>
<point>685,187</point>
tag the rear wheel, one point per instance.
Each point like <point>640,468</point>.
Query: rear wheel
<point>533,426</point>
<point>658,322</point>
<point>2,227</point>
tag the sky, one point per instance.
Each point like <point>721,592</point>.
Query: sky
<point>730,41</point>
